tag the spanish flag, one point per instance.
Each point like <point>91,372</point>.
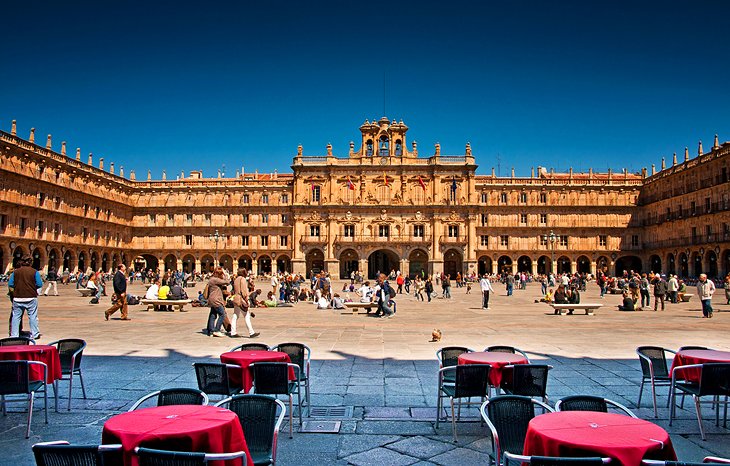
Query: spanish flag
<point>350,186</point>
<point>385,177</point>
<point>420,181</point>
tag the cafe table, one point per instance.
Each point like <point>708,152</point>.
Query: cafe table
<point>47,354</point>
<point>690,357</point>
<point>495,359</point>
<point>625,439</point>
<point>244,378</point>
<point>189,428</point>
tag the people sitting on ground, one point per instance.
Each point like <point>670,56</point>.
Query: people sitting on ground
<point>344,287</point>
<point>321,302</point>
<point>271,301</point>
<point>337,302</point>
<point>628,303</point>
<point>254,298</point>
<point>201,301</point>
<point>305,294</point>
<point>548,298</point>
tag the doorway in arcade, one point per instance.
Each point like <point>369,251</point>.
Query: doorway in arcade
<point>382,261</point>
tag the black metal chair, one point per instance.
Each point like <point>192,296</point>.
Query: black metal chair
<point>272,378</point>
<point>174,396</point>
<point>506,349</point>
<point>507,417</point>
<point>15,341</point>
<point>260,423</point>
<point>70,351</point>
<point>213,378</point>
<point>448,357</point>
<point>299,354</point>
<point>714,382</point>
<point>252,347</point>
<point>654,370</point>
<point>152,457</point>
<point>15,380</point>
<point>510,458</point>
<point>590,403</point>
<point>526,380</point>
<point>470,380</point>
<point>62,453</point>
<point>706,460</point>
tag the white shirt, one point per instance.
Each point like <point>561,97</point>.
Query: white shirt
<point>365,293</point>
<point>485,285</point>
<point>152,292</point>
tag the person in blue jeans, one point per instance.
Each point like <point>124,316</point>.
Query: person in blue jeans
<point>384,300</point>
<point>217,303</point>
<point>25,282</point>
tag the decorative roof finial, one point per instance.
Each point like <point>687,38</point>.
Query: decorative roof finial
<point>63,147</point>
<point>49,143</point>
<point>300,149</point>
<point>111,168</point>
<point>653,169</point>
<point>438,149</point>
<point>164,174</point>
<point>91,159</point>
<point>468,149</point>
<point>686,154</point>
<point>132,175</point>
<point>32,136</point>
<point>78,154</point>
<point>699,148</point>
<point>674,159</point>
<point>149,175</point>
<point>513,172</point>
<point>14,128</point>
<point>492,172</point>
<point>664,163</point>
<point>532,172</point>
<point>716,144</point>
<point>101,163</point>
<point>329,149</point>
<point>121,171</point>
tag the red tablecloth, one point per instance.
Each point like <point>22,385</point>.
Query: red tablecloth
<point>585,433</point>
<point>689,357</point>
<point>494,359</point>
<point>43,353</point>
<point>244,377</point>
<point>181,428</point>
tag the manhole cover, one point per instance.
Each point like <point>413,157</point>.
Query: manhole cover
<point>331,412</point>
<point>320,427</point>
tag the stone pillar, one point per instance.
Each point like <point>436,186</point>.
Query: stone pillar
<point>299,266</point>
<point>534,267</point>
<point>405,267</point>
<point>179,263</point>
<point>254,265</point>
<point>593,268</point>
<point>332,266</point>
<point>363,267</point>
<point>573,266</point>
<point>435,266</point>
<point>495,264</point>
<point>198,265</point>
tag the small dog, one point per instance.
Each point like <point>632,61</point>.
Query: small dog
<point>436,335</point>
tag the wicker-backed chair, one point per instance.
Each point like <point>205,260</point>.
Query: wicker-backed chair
<point>590,403</point>
<point>526,380</point>
<point>252,347</point>
<point>62,453</point>
<point>507,417</point>
<point>448,356</point>
<point>152,457</point>
<point>272,378</point>
<point>654,370</point>
<point>213,378</point>
<point>260,423</point>
<point>714,383</point>
<point>16,341</point>
<point>470,380</point>
<point>299,354</point>
<point>517,460</point>
<point>15,380</point>
<point>174,396</point>
<point>506,349</point>
<point>70,352</point>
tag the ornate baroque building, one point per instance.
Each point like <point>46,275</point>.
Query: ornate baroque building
<point>381,207</point>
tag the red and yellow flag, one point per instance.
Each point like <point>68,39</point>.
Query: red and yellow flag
<point>420,181</point>
<point>385,177</point>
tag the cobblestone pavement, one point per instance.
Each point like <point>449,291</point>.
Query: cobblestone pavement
<point>385,369</point>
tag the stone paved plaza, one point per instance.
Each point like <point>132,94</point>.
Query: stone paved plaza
<point>385,369</point>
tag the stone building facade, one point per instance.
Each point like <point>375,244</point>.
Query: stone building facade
<point>381,207</point>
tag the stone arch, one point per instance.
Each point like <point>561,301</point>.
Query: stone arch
<point>314,260</point>
<point>683,265</point>
<point>264,264</point>
<point>349,262</point>
<point>150,262</point>
<point>94,261</point>
<point>105,262</point>
<point>655,263</point>
<point>544,265</point>
<point>54,260</point>
<point>69,261</point>
<point>18,253</point>
<point>383,261</point>
<point>583,264</point>
<point>628,264</point>
<point>696,263</point>
<point>524,264</point>
<point>564,265</point>
<point>602,264</point>
<point>713,270</point>
<point>283,263</point>
<point>3,267</point>
<point>188,262</point>
<point>484,265</point>
<point>671,264</point>
<point>207,263</point>
<point>725,261</point>
<point>115,261</point>
<point>418,263</point>
<point>38,258</point>
<point>245,262</point>
<point>82,261</point>
<point>170,262</point>
<point>226,261</point>
<point>504,264</point>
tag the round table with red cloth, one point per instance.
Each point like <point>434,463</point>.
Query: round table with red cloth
<point>689,357</point>
<point>244,377</point>
<point>586,433</point>
<point>43,353</point>
<point>495,359</point>
<point>193,428</point>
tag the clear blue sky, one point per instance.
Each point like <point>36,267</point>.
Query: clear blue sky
<point>181,86</point>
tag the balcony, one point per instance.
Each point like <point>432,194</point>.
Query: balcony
<point>310,239</point>
<point>363,239</point>
<point>688,241</point>
<point>453,240</point>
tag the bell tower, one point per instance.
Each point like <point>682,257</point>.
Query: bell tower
<point>383,139</point>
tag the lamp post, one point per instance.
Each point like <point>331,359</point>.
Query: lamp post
<point>551,238</point>
<point>216,237</point>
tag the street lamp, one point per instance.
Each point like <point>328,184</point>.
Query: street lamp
<point>216,237</point>
<point>551,238</point>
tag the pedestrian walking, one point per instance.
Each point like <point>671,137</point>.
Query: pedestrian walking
<point>660,290</point>
<point>25,282</point>
<point>486,287</point>
<point>120,291</point>
<point>52,280</point>
<point>705,290</point>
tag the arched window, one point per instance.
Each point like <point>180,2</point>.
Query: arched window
<point>384,146</point>
<point>369,147</point>
<point>398,148</point>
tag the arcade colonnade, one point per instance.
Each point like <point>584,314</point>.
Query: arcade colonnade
<point>47,256</point>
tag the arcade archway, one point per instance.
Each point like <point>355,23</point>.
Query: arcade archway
<point>170,263</point>
<point>418,263</point>
<point>696,264</point>
<point>382,261</point>
<point>348,263</point>
<point>264,265</point>
<point>188,263</point>
<point>150,262</point>
<point>504,264</point>
<point>564,265</point>
<point>726,262</point>
<point>544,266</point>
<point>712,268</point>
<point>655,264</point>
<point>207,263</point>
<point>245,262</point>
<point>17,255</point>
<point>226,262</point>
<point>602,264</point>
<point>671,264</point>
<point>68,261</point>
<point>94,261</point>
<point>315,262</point>
<point>283,263</point>
<point>484,265</point>
<point>105,262</point>
<point>628,264</point>
<point>82,262</point>
<point>52,260</point>
<point>37,257</point>
<point>683,265</point>
<point>583,264</point>
<point>524,264</point>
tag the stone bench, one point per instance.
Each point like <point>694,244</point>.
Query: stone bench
<point>564,309</point>
<point>154,304</point>
<point>355,307</point>
<point>86,292</point>
<point>687,297</point>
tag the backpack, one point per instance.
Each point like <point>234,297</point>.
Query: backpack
<point>206,291</point>
<point>94,300</point>
<point>391,292</point>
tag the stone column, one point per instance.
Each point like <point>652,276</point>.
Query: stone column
<point>405,267</point>
<point>534,267</point>
<point>198,265</point>
<point>495,264</point>
<point>593,268</point>
<point>299,266</point>
<point>363,267</point>
<point>573,266</point>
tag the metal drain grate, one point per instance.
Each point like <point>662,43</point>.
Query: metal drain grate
<point>331,412</point>
<point>320,427</point>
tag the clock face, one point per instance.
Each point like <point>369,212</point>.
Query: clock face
<point>383,160</point>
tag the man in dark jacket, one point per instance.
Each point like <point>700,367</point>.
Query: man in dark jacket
<point>25,282</point>
<point>52,279</point>
<point>120,289</point>
<point>660,289</point>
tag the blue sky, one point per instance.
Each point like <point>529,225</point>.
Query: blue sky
<point>198,85</point>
